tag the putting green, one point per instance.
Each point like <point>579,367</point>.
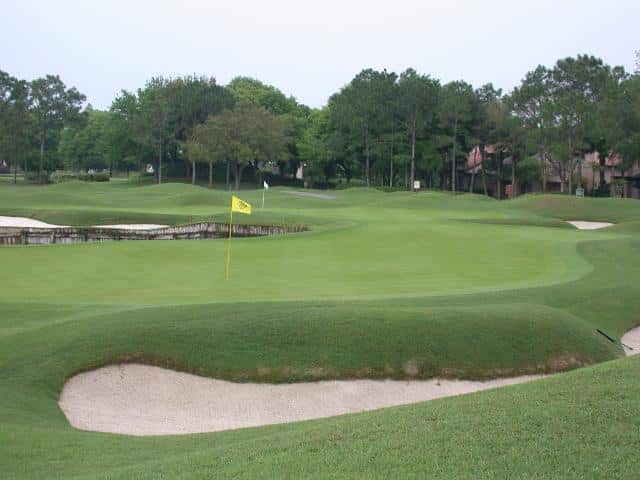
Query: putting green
<point>385,285</point>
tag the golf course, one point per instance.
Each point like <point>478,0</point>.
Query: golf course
<point>396,286</point>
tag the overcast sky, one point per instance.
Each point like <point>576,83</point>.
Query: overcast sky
<point>307,49</point>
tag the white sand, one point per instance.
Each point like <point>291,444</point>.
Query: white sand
<point>23,222</point>
<point>137,399</point>
<point>632,339</point>
<point>134,226</point>
<point>581,225</point>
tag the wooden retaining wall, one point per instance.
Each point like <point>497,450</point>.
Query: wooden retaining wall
<point>194,231</point>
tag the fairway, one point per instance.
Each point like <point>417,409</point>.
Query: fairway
<point>400,286</point>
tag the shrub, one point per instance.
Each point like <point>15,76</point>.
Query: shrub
<point>33,177</point>
<point>94,177</point>
<point>63,176</point>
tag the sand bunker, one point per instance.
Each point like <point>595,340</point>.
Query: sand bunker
<point>631,339</point>
<point>137,399</point>
<point>134,226</point>
<point>581,225</point>
<point>23,222</point>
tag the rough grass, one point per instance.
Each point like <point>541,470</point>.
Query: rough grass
<point>392,285</point>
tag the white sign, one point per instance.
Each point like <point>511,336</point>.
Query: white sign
<point>416,185</point>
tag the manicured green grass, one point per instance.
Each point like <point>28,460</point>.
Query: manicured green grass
<point>386,285</point>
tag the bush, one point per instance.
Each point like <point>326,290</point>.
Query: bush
<point>33,177</point>
<point>602,191</point>
<point>63,176</point>
<point>142,179</point>
<point>94,177</point>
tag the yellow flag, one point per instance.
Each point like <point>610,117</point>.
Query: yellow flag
<point>241,206</point>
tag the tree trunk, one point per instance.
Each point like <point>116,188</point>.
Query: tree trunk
<point>160,164</point>
<point>366,167</point>
<point>602,162</point>
<point>228,175</point>
<point>413,156</point>
<point>406,177</point>
<point>193,172</point>
<point>580,172</point>
<point>238,175</point>
<point>391,172</point>
<point>15,172</point>
<point>210,174</point>
<point>483,161</point>
<point>498,175</point>
<point>514,188</point>
<point>41,167</point>
<point>453,157</point>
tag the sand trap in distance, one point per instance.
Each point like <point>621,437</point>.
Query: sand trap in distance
<point>23,222</point>
<point>133,226</point>
<point>136,399</point>
<point>582,225</point>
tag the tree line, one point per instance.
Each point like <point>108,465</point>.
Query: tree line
<point>382,128</point>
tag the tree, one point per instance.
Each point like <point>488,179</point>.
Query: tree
<point>318,146</point>
<point>248,134</point>
<point>254,91</point>
<point>53,107</point>
<point>456,113</point>
<point>485,129</point>
<point>151,119</point>
<point>14,120</point>
<point>206,144</point>
<point>87,146</point>
<point>532,102</point>
<point>363,113</point>
<point>191,101</point>
<point>418,101</point>
<point>276,102</point>
<point>579,85</point>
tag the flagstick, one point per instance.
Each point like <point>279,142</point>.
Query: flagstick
<point>226,272</point>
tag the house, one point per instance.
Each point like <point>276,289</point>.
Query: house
<point>625,184</point>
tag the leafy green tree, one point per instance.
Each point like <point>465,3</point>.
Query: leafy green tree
<point>54,106</point>
<point>579,86</point>
<point>490,109</point>
<point>151,119</point>
<point>254,91</point>
<point>246,135</point>
<point>532,102</point>
<point>363,114</point>
<point>15,127</point>
<point>457,111</point>
<point>317,147</point>
<point>87,146</point>
<point>273,100</point>
<point>418,100</point>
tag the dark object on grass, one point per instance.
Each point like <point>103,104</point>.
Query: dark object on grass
<point>611,339</point>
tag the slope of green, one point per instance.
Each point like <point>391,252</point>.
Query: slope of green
<point>385,285</point>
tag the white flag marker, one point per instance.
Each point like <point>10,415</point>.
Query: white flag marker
<point>266,187</point>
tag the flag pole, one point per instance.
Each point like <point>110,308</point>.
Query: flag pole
<point>226,271</point>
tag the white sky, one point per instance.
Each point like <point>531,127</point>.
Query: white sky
<point>307,49</point>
